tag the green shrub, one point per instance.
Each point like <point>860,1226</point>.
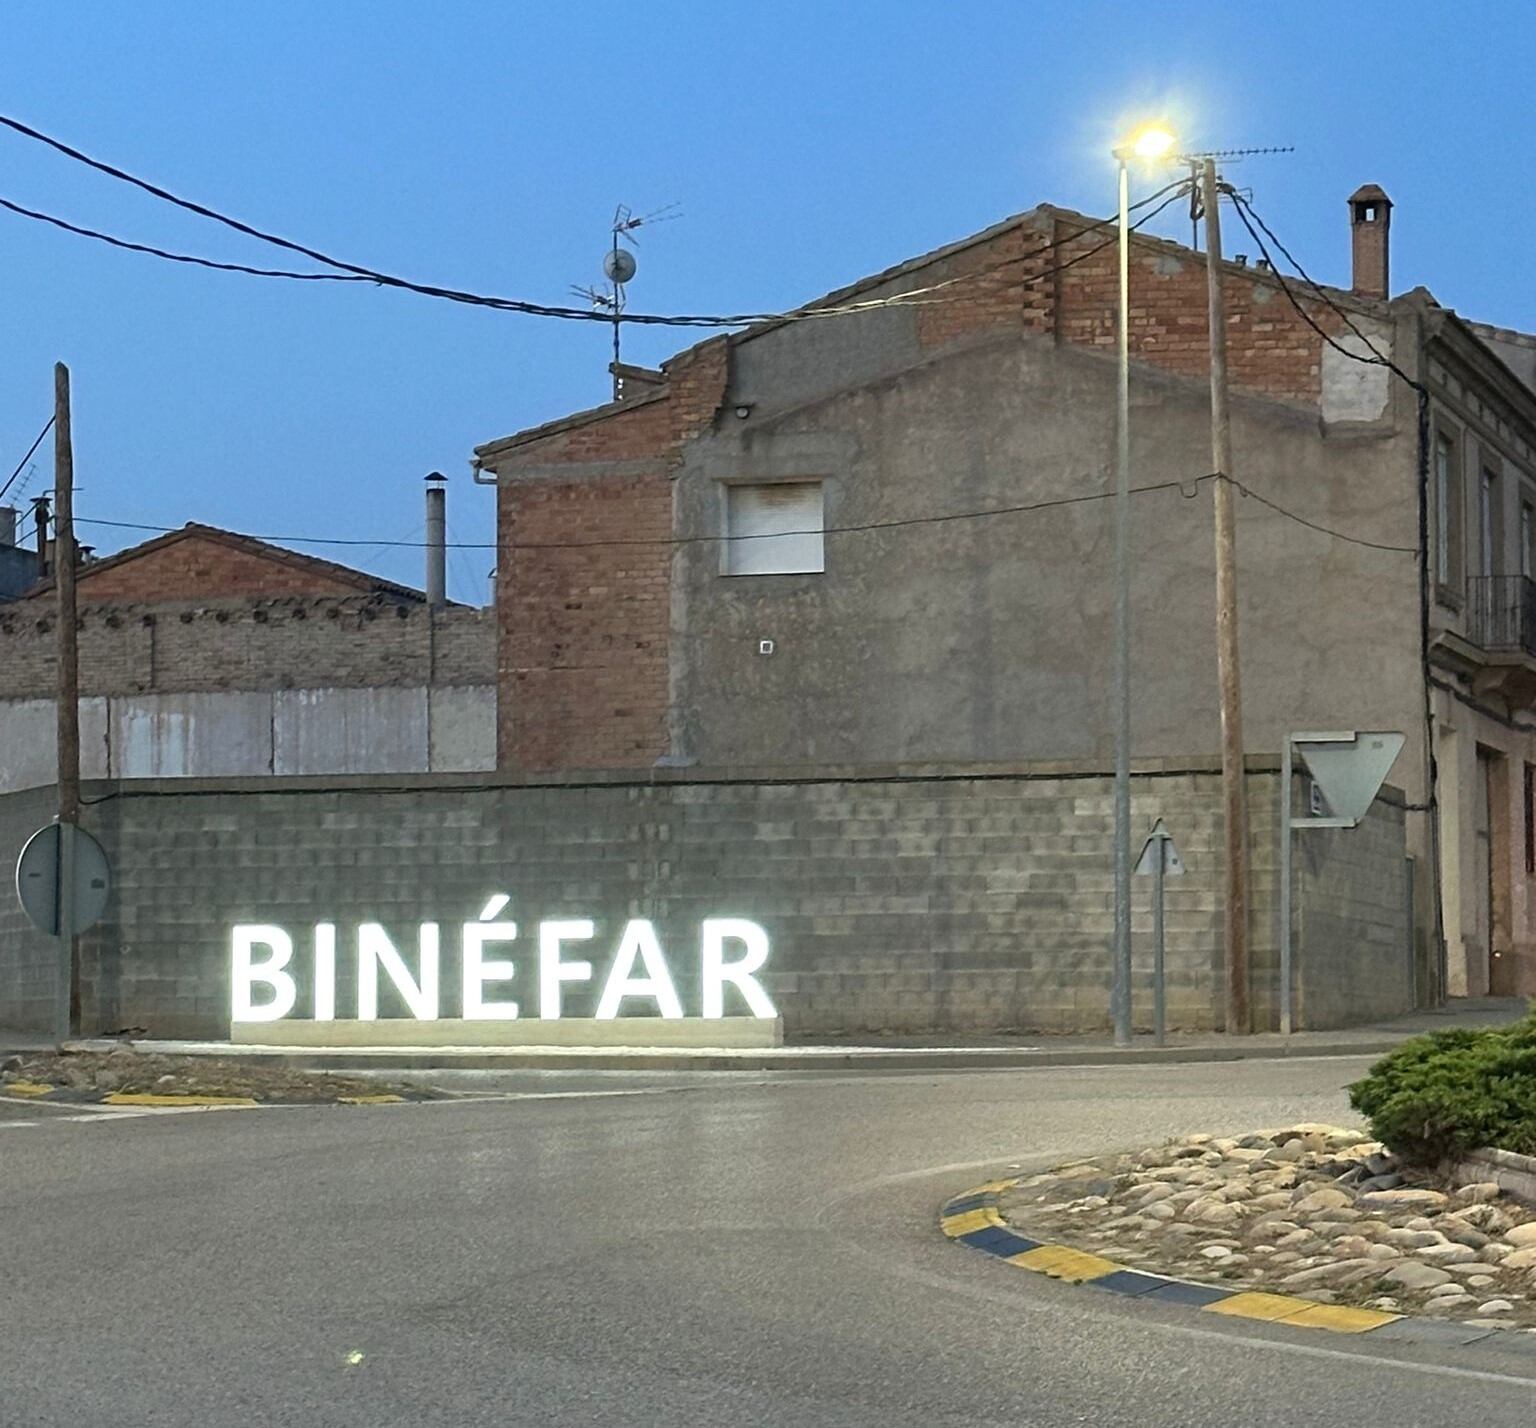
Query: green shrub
<point>1439,1096</point>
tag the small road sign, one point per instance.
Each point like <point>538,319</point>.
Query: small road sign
<point>37,880</point>
<point>1348,769</point>
<point>1159,859</point>
<point>1160,840</point>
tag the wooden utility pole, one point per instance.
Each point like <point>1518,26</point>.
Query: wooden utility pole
<point>68,1011</point>
<point>1234,800</point>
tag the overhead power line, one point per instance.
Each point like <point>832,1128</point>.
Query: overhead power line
<point>21,465</point>
<point>1376,357</point>
<point>1186,488</point>
<point>347,271</point>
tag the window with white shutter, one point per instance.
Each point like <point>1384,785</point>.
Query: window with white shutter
<point>773,529</point>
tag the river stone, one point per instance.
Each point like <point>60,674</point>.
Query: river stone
<point>1444,1291</point>
<point>1383,1253</point>
<point>1521,1258</point>
<point>1417,1275</point>
<point>1521,1235</point>
<point>1495,1253</point>
<point>1446,1253</point>
<point>1323,1198</point>
<point>1453,1227</point>
<point>1388,1201</point>
<point>1158,1212</point>
<point>1458,1301</point>
<point>1323,1273</point>
<point>1412,1239</point>
<point>1477,1194</point>
<point>1295,1239</point>
<point>1489,1218</point>
<point>1271,1200</point>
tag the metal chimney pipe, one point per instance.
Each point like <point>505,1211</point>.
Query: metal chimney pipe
<point>437,540</point>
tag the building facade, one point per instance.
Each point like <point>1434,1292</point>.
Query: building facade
<point>874,538</point>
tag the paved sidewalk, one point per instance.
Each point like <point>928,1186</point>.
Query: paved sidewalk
<point>886,1053</point>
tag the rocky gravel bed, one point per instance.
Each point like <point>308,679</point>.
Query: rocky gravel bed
<point>1317,1211</point>
<point>125,1069</point>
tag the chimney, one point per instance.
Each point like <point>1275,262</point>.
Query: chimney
<point>7,525</point>
<point>1370,216</point>
<point>437,539</point>
<point>41,513</point>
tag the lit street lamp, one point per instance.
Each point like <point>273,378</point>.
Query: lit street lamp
<point>1150,143</point>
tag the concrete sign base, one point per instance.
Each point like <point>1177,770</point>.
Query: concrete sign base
<point>637,1031</point>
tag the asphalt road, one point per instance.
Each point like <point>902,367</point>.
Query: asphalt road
<point>679,1251</point>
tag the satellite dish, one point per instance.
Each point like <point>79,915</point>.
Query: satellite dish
<point>618,265</point>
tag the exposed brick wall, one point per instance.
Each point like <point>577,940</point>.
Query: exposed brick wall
<point>1271,350</point>
<point>583,574</point>
<point>195,568</point>
<point>183,646</point>
<point>582,649</point>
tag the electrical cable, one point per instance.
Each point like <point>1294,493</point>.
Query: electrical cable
<point>1314,525</point>
<point>359,273</point>
<point>171,257</point>
<point>20,465</point>
<point>915,297</point>
<point>1377,358</point>
<point>942,518</point>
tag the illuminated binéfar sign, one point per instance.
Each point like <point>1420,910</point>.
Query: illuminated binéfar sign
<point>264,987</point>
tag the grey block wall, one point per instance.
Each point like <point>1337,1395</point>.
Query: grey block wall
<point>894,903</point>
<point>29,962</point>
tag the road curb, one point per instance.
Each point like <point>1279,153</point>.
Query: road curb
<point>806,1059</point>
<point>31,1092</point>
<point>974,1220</point>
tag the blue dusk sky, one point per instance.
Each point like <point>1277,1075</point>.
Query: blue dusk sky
<point>485,146</point>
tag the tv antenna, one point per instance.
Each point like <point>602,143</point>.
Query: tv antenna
<point>619,267</point>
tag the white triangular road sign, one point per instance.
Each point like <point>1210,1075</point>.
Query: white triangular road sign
<point>1160,840</point>
<point>1350,771</point>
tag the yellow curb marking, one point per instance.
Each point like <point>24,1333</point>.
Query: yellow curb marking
<point>1342,1319</point>
<point>1253,1305</point>
<point>1063,1262</point>
<point>369,1100</point>
<point>27,1088</point>
<point>982,1219</point>
<point>1076,1266</point>
<point>145,1098</point>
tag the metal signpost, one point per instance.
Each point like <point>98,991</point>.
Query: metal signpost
<point>62,880</point>
<point>1347,768</point>
<point>1159,859</point>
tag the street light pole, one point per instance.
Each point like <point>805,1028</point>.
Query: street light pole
<point>1120,999</point>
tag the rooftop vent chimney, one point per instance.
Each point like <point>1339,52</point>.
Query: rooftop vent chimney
<point>1370,216</point>
<point>7,525</point>
<point>437,539</point>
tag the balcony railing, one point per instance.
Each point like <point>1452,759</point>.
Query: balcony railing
<point>1501,613</point>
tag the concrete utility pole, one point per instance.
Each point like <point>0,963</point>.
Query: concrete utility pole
<point>68,1011</point>
<point>1235,902</point>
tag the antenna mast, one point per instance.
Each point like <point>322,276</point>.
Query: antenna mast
<point>619,268</point>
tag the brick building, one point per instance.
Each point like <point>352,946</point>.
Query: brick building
<point>204,652</point>
<point>868,540</point>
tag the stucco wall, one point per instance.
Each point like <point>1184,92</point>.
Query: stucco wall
<point>900,901</point>
<point>990,638</point>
